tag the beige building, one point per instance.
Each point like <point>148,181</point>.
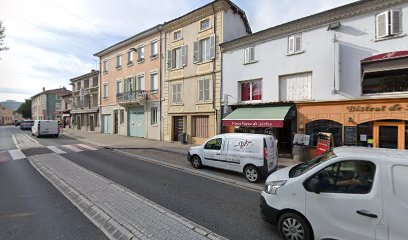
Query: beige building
<point>7,116</point>
<point>46,105</point>
<point>130,86</point>
<point>85,100</point>
<point>192,87</point>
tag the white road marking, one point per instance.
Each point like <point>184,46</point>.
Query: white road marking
<point>15,141</point>
<point>72,148</point>
<point>32,139</point>
<point>55,149</point>
<point>16,154</point>
<point>87,147</point>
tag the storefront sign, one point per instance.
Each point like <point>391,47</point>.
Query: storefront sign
<point>350,135</point>
<point>254,123</point>
<point>369,108</point>
<point>324,141</point>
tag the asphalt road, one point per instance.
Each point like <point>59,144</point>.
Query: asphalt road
<point>225,209</point>
<point>31,208</point>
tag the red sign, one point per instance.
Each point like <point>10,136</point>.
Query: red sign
<point>254,123</point>
<point>386,56</point>
<point>324,141</point>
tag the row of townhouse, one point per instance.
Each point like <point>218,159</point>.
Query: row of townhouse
<point>343,71</point>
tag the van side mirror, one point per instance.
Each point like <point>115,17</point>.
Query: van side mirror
<point>314,186</point>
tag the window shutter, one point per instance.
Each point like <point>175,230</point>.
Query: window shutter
<point>169,58</point>
<point>195,52</point>
<point>246,55</point>
<point>298,42</point>
<point>382,29</point>
<point>212,47</point>
<point>206,89</point>
<point>395,22</point>
<point>251,54</point>
<point>184,55</point>
<point>291,43</point>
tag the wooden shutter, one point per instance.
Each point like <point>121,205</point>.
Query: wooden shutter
<point>196,52</point>
<point>212,47</point>
<point>395,22</point>
<point>381,21</point>
<point>184,55</point>
<point>169,58</point>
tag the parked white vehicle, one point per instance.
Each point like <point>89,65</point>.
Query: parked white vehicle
<point>348,193</point>
<point>45,127</point>
<point>255,155</point>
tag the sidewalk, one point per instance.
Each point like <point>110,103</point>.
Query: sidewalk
<point>123,142</point>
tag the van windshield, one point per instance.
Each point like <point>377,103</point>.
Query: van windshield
<point>306,166</point>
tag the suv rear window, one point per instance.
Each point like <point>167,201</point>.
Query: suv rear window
<point>301,168</point>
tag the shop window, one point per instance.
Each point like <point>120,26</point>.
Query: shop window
<point>385,81</point>
<point>200,126</point>
<point>328,126</point>
<point>365,134</point>
<point>251,90</point>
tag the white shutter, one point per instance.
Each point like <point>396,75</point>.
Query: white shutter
<point>291,44</point>
<point>206,89</point>
<point>169,58</point>
<point>196,52</point>
<point>381,21</point>
<point>298,43</point>
<point>212,47</point>
<point>246,55</point>
<point>200,86</point>
<point>395,22</point>
<point>251,54</point>
<point>184,55</point>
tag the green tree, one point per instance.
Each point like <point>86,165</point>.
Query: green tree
<point>25,109</point>
<point>2,36</point>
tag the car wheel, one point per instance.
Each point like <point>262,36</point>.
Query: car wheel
<point>56,135</point>
<point>293,227</point>
<point>252,173</point>
<point>196,161</point>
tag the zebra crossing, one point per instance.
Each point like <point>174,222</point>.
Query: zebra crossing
<point>17,154</point>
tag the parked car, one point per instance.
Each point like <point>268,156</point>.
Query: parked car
<point>26,124</point>
<point>347,193</point>
<point>254,155</point>
<point>18,123</point>
<point>45,127</point>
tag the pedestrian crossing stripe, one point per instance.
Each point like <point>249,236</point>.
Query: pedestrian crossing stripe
<point>56,150</point>
<point>87,147</point>
<point>16,154</point>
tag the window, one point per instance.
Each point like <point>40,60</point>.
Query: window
<point>105,90</point>
<point>105,66</point>
<point>154,49</point>
<point>203,90</point>
<point>90,82</point>
<point>57,106</point>
<point>130,57</point>
<point>388,23</point>
<point>176,93</point>
<point>249,55</point>
<point>122,116</point>
<point>153,116</point>
<point>140,54</point>
<point>118,61</point>
<point>350,177</point>
<point>336,129</point>
<point>200,126</point>
<point>154,82</point>
<point>129,85</point>
<point>177,35</point>
<point>385,81</point>
<point>294,44</point>
<point>118,87</point>
<point>140,83</point>
<point>91,103</point>
<point>251,90</point>
<point>204,50</point>
<point>214,144</point>
<point>205,24</point>
<point>177,58</point>
<point>295,87</point>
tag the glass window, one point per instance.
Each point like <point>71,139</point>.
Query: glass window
<point>118,61</point>
<point>251,90</point>
<point>306,166</point>
<point>130,57</point>
<point>249,55</point>
<point>105,66</point>
<point>351,177</point>
<point>140,54</point>
<point>328,126</point>
<point>105,90</point>
<point>205,48</point>
<point>177,61</point>
<point>294,44</point>
<point>153,117</point>
<point>385,81</point>
<point>140,83</point>
<point>205,24</point>
<point>177,35</point>
<point>214,144</point>
<point>118,87</point>
<point>154,82</point>
<point>153,49</point>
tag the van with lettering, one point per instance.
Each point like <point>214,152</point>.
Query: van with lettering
<point>254,155</point>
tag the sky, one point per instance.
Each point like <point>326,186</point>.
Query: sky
<point>52,41</point>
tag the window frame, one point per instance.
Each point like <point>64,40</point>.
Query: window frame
<point>140,54</point>
<point>122,116</point>
<point>140,85</point>
<point>249,52</point>
<point>201,93</point>
<point>212,149</point>
<point>152,82</point>
<point>119,89</point>
<point>105,91</point>
<point>154,49</point>
<point>175,33</point>
<point>250,90</point>
<point>177,97</point>
<point>105,66</point>
<point>130,57</point>
<point>389,22</point>
<point>118,61</point>
<point>153,116</point>
<point>296,48</point>
<point>201,24</point>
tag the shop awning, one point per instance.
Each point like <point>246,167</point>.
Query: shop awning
<point>385,62</point>
<point>257,117</point>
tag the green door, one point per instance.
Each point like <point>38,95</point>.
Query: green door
<point>136,121</point>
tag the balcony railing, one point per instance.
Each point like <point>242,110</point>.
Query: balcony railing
<point>131,96</point>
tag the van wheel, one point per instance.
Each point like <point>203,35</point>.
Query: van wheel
<point>293,227</point>
<point>196,162</point>
<point>252,173</point>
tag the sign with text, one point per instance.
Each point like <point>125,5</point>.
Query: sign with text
<point>253,123</point>
<point>301,139</point>
<point>324,142</point>
<point>350,135</point>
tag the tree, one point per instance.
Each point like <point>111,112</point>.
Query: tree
<point>25,109</point>
<point>2,36</point>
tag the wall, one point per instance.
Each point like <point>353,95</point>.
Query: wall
<point>233,26</point>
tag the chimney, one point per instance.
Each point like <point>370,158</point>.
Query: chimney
<point>43,89</point>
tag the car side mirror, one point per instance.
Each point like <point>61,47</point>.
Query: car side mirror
<point>314,186</point>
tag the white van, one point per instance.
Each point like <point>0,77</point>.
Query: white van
<point>45,127</point>
<point>255,155</point>
<point>348,193</point>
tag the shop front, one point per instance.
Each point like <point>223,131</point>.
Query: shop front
<point>278,121</point>
<point>366,122</point>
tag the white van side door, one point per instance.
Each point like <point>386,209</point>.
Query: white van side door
<point>212,153</point>
<point>349,205</point>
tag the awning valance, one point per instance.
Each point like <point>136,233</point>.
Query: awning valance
<point>257,117</point>
<point>385,62</point>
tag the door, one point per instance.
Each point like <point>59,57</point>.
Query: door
<point>349,205</point>
<point>213,153</point>
<point>389,135</point>
<point>178,127</point>
<point>106,118</point>
<point>116,124</point>
<point>136,121</point>
<point>91,123</point>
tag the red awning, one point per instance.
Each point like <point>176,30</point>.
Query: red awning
<point>386,56</point>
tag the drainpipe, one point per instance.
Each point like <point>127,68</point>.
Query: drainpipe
<point>217,129</point>
<point>162,67</point>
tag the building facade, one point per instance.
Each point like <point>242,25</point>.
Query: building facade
<point>7,116</point>
<point>192,73</point>
<point>130,86</point>
<point>46,105</point>
<point>66,107</point>
<point>339,71</point>
<point>84,114</point>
